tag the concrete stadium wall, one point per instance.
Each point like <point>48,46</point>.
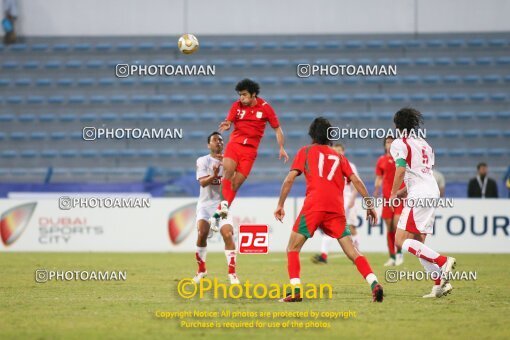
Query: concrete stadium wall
<point>173,17</point>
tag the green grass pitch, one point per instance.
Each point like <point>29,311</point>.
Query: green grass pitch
<point>126,309</point>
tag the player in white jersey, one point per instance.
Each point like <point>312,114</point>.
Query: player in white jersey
<point>350,214</point>
<point>414,159</point>
<point>209,175</point>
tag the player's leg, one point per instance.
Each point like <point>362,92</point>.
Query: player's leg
<point>362,265</point>
<point>387,216</point>
<point>413,227</point>
<point>399,257</point>
<point>229,171</point>
<point>354,235</point>
<point>227,232</point>
<point>296,242</point>
<point>323,256</point>
<point>304,228</point>
<point>201,252</point>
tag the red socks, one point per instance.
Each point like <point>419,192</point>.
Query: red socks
<point>293,264</point>
<point>201,264</point>
<point>390,235</point>
<point>226,191</point>
<point>363,266</point>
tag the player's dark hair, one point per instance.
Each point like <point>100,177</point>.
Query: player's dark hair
<point>319,131</point>
<point>408,119</point>
<point>212,134</point>
<point>248,85</point>
<point>480,165</point>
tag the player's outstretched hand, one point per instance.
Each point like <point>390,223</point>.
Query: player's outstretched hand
<point>224,126</point>
<point>279,214</point>
<point>283,154</point>
<point>371,216</point>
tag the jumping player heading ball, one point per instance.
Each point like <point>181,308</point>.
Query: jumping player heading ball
<point>249,115</point>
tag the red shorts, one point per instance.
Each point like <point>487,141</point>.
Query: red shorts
<point>387,212</point>
<point>332,224</point>
<point>243,155</point>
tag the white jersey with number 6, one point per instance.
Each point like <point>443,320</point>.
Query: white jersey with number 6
<point>419,157</point>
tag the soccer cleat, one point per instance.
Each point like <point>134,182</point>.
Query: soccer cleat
<point>223,211</point>
<point>377,293</point>
<point>319,259</point>
<point>438,291</point>
<point>399,259</point>
<point>213,224</point>
<point>234,280</point>
<point>289,298</point>
<point>199,276</point>
<point>447,289</point>
<point>446,269</point>
<point>389,263</point>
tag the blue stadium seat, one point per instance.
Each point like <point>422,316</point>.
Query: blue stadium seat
<point>248,45</point>
<point>39,47</point>
<point>9,154</point>
<point>455,43</point>
<point>4,82</point>
<point>227,45</point>
<point>375,44</point>
<point>38,135</point>
<point>418,97</point>
<point>484,61</point>
<point>434,133</point>
<point>444,61</point>
<point>65,82</point>
<point>26,118</point>
<point>498,96</point>
<point>6,117</point>
<point>470,79</point>
<point>49,153</point>
<point>57,100</point>
<point>503,61</point>
<point>491,133</point>
<point>504,115</point>
<point>148,116</point>
<point>89,153</point>
<point>239,63</point>
<point>477,152</point>
<point>445,115</point>
<point>465,115</point>
<point>73,64</point>
<point>88,117</point>
<point>68,153</point>
<point>451,79</point>
<point>270,45</point>
<point>458,97</point>
<point>395,43</point>
<point>259,62</point>
<point>67,117</point>
<point>126,46</point>
<point>85,82</point>
<point>440,152</point>
<point>103,47</point>
<point>58,135</point>
<point>18,136</point>
<point>47,117</point>
<point>476,42</point>
<point>298,98</point>
<point>471,133</point>
<point>10,65</point>
<point>332,44</point>
<point>311,45</point>
<point>290,45</point>
<point>28,154</point>
<point>432,79</point>
<point>497,42</point>
<point>458,152</point>
<point>452,133</point>
<point>423,61</point>
<point>353,44</point>
<point>478,97</point>
<point>483,115</point>
<point>435,43</point>
<point>167,153</point>
<point>438,97</point>
<point>290,81</point>
<point>147,153</point>
<point>135,99</point>
<point>43,82</point>
<point>14,100</point>
<point>497,152</point>
<point>23,82</point>
<point>492,78</point>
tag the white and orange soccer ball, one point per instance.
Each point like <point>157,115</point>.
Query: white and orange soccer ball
<point>188,43</point>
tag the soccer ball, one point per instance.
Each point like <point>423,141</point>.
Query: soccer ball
<point>188,43</point>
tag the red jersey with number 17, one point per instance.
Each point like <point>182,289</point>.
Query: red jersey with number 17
<point>325,172</point>
<point>250,122</point>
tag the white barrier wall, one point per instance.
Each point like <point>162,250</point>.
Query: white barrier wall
<point>478,226</point>
<point>174,17</point>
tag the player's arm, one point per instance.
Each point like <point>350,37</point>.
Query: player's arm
<point>399,177</point>
<point>362,189</point>
<point>287,184</point>
<point>280,138</point>
<point>377,185</point>
<point>207,180</point>
<point>224,126</point>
